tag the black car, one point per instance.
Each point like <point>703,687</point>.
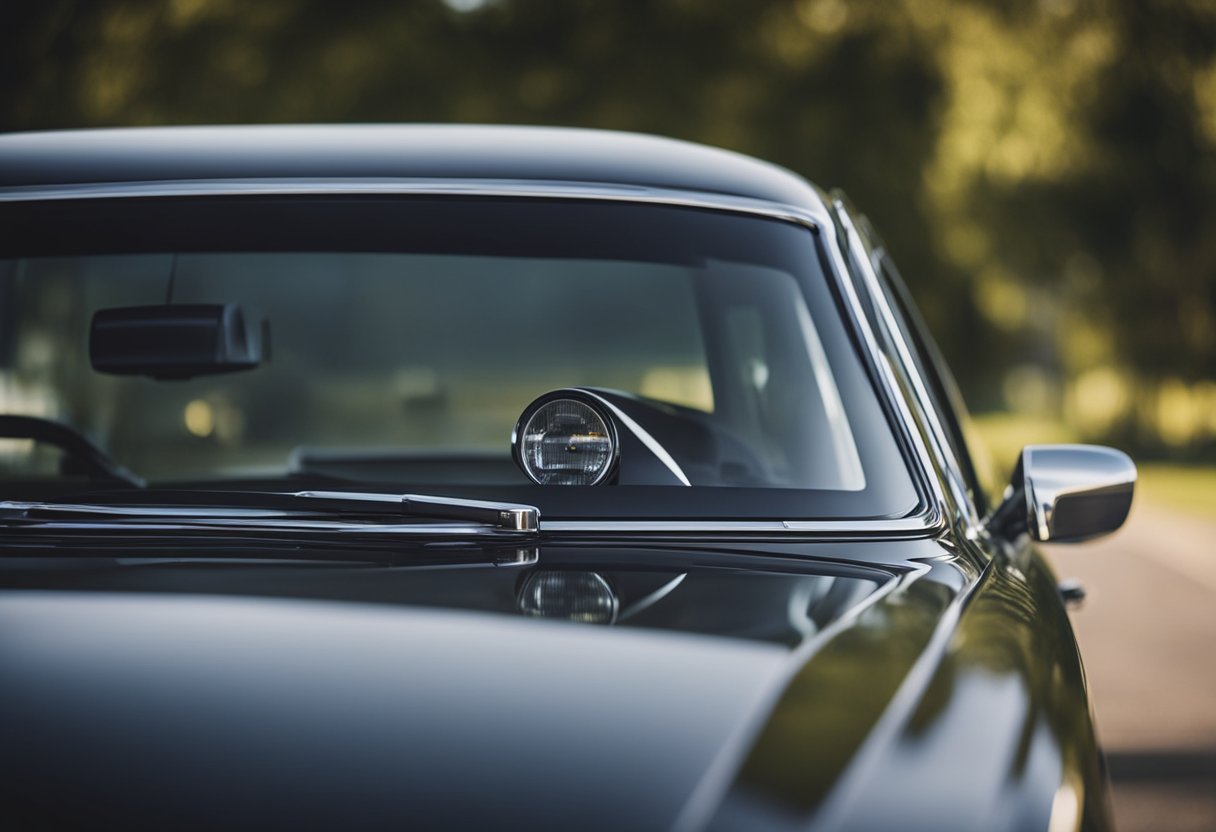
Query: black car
<point>505,478</point>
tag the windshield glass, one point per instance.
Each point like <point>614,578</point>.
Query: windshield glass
<point>406,337</point>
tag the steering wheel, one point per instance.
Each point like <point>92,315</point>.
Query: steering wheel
<point>91,459</point>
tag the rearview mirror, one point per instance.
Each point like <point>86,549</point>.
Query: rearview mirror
<point>176,341</point>
<point>1067,493</point>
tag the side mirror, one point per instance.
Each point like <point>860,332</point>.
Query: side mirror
<point>175,341</point>
<point>1067,493</point>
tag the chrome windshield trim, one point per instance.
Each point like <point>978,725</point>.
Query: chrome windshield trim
<point>940,447</point>
<point>889,383</point>
<point>816,216</point>
<point>180,520</point>
<point>923,524</point>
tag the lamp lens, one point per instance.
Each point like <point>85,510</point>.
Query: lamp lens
<point>566,442</point>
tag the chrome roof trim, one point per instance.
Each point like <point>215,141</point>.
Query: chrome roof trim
<point>429,187</point>
<point>816,215</point>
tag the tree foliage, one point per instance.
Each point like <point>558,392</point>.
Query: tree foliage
<point>1043,171</point>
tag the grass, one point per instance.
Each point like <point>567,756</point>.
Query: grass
<point>1005,434</point>
<point>1187,488</point>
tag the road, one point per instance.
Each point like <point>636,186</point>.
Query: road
<point>1148,637</point>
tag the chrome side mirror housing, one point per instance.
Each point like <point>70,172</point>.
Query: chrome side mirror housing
<point>1067,493</point>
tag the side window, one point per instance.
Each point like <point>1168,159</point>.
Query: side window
<point>942,388</point>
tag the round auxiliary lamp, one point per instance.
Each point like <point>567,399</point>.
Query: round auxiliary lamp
<point>566,438</point>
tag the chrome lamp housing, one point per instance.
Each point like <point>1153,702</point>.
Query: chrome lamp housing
<point>593,436</point>
<point>566,438</point>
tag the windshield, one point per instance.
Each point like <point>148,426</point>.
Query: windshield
<point>406,336</point>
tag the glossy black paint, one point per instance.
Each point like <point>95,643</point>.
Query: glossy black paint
<point>418,152</point>
<point>848,680</point>
<point>745,696</point>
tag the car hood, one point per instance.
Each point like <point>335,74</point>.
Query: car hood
<point>259,695</point>
<point>334,711</point>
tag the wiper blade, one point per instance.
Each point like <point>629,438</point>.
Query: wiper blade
<point>249,507</point>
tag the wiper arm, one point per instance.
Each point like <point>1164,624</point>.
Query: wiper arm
<point>251,506</point>
<point>510,516</point>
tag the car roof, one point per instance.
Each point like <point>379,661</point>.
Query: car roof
<point>467,152</point>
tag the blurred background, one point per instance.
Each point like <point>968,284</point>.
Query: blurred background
<point>1044,172</point>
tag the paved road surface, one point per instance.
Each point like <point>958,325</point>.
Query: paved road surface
<point>1148,636</point>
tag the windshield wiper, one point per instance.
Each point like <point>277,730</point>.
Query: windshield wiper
<point>249,508</point>
<point>510,516</point>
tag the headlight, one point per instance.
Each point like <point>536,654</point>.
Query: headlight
<point>574,596</point>
<point>565,441</point>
